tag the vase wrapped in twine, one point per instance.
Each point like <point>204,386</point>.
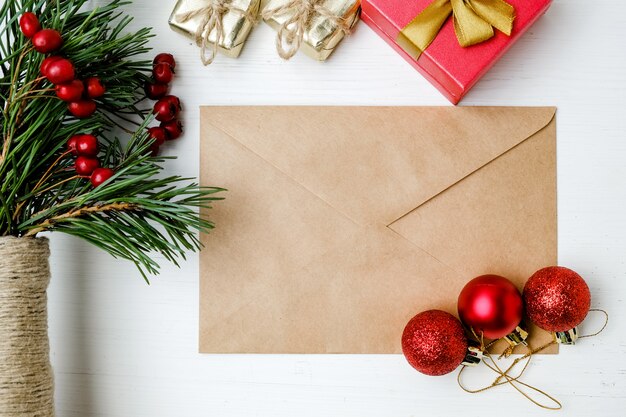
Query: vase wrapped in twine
<point>26,379</point>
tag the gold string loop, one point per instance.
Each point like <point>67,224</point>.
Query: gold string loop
<point>606,323</point>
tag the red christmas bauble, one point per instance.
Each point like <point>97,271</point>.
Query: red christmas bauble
<point>557,299</point>
<point>491,304</point>
<point>166,58</point>
<point>85,165</point>
<point>29,24</point>
<point>71,91</point>
<point>60,71</point>
<point>82,108</point>
<point>47,40</point>
<point>94,87</point>
<point>100,175</point>
<point>434,342</point>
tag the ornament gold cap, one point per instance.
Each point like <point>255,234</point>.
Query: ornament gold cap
<point>567,337</point>
<point>474,354</point>
<point>517,337</point>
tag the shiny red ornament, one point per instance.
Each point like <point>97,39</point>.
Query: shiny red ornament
<point>82,108</point>
<point>165,58</point>
<point>85,165</point>
<point>47,40</point>
<point>100,175</point>
<point>29,24</point>
<point>174,129</point>
<point>163,73</point>
<point>491,305</point>
<point>60,71</point>
<point>165,110</point>
<point>434,342</point>
<point>94,87</point>
<point>557,299</point>
<point>71,91</point>
<point>87,145</point>
<point>155,91</point>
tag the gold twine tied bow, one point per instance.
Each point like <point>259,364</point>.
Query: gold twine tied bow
<point>212,16</point>
<point>474,21</point>
<point>291,32</point>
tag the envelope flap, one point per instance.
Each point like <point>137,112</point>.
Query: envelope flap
<point>375,164</point>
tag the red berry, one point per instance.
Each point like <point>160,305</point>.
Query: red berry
<point>100,175</point>
<point>60,71</point>
<point>164,110</point>
<point>158,135</point>
<point>175,101</point>
<point>155,91</point>
<point>174,129</point>
<point>163,73</point>
<point>71,144</point>
<point>85,165</point>
<point>29,24</point>
<point>94,87</point>
<point>47,40</point>
<point>87,145</point>
<point>43,69</point>
<point>71,91</point>
<point>154,149</point>
<point>82,108</point>
<point>165,58</point>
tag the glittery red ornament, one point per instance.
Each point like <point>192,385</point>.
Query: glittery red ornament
<point>434,342</point>
<point>491,304</point>
<point>557,299</point>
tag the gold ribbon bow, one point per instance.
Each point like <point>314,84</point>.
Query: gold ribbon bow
<point>212,19</point>
<point>300,12</point>
<point>474,21</point>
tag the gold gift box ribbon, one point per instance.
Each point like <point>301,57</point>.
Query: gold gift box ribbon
<point>215,25</point>
<point>474,21</point>
<point>315,26</point>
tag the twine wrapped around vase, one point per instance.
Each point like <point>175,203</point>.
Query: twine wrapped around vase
<point>26,379</point>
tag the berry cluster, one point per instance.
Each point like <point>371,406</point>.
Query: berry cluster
<point>167,107</point>
<point>79,94</point>
<point>85,148</point>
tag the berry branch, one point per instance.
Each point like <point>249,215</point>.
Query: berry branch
<point>70,79</point>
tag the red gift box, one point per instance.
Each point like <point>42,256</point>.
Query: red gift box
<point>448,66</point>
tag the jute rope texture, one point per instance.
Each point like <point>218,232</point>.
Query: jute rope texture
<point>26,379</point>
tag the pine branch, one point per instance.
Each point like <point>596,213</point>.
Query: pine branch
<point>135,213</point>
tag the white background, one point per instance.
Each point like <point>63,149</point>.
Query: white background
<point>122,348</point>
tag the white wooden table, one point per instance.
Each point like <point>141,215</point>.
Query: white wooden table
<point>121,348</point>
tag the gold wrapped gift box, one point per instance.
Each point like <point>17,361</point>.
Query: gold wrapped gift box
<point>322,33</point>
<point>237,20</point>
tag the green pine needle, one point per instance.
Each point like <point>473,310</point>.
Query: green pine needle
<point>136,213</point>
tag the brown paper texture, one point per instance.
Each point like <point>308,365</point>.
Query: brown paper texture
<point>341,223</point>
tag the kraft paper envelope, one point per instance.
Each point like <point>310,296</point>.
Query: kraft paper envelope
<point>341,223</point>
